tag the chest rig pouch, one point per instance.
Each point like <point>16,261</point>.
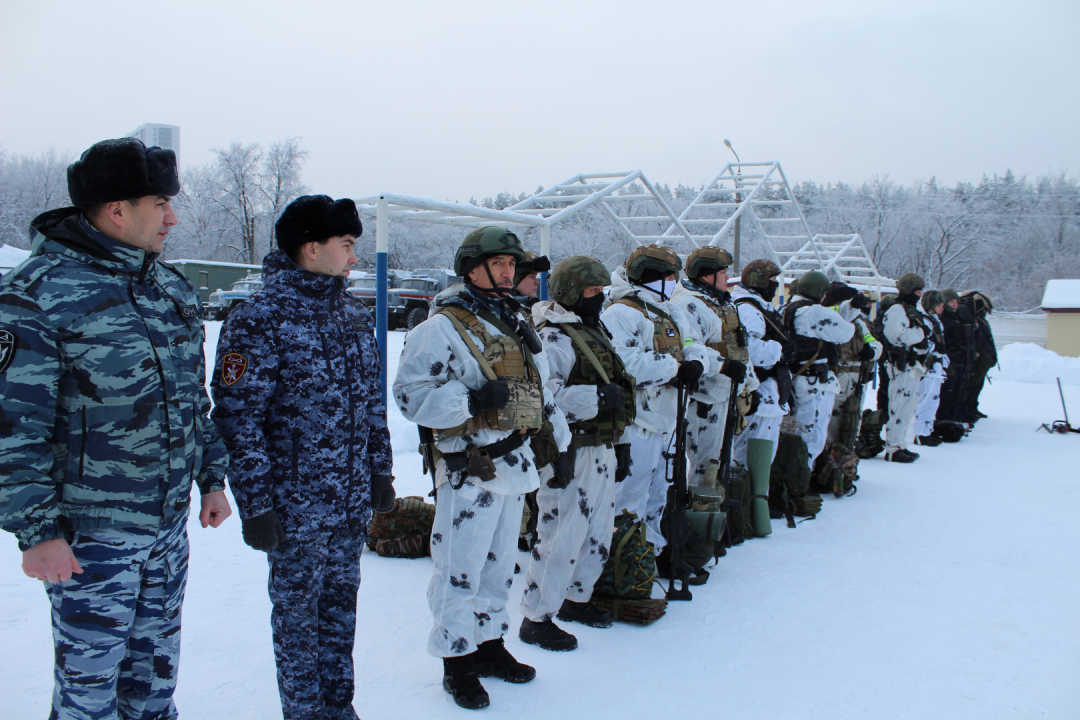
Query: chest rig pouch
<point>735,345</point>
<point>666,337</point>
<point>599,364</point>
<point>504,357</point>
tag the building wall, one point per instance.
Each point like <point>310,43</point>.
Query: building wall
<point>1063,333</point>
<point>1018,327</point>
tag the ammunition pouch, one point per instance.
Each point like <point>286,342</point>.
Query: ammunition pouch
<point>479,462</point>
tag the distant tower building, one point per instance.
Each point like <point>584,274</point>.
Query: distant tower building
<point>164,136</point>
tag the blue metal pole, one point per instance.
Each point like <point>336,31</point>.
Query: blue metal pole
<point>382,245</point>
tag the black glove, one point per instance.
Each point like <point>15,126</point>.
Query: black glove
<point>791,350</point>
<point>493,396</point>
<point>860,302</point>
<point>609,397</point>
<point>867,353</point>
<point>734,370</point>
<point>755,401</point>
<point>689,372</point>
<point>382,493</point>
<point>923,344</point>
<point>263,532</point>
<point>564,472</point>
<point>622,462</point>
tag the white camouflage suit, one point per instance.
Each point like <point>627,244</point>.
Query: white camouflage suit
<point>848,376</point>
<point>814,399</point>
<point>930,386</point>
<point>575,523</point>
<point>474,538</point>
<point>903,384</point>
<point>765,423</point>
<point>644,491</point>
<point>705,435</point>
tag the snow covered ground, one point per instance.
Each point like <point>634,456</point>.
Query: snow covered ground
<point>944,589</point>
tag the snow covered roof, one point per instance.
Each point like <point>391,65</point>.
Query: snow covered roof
<point>11,257</point>
<point>1061,295</point>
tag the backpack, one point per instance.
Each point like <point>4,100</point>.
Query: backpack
<point>624,588</point>
<point>835,471</point>
<point>870,443</point>
<point>789,481</point>
<point>405,531</point>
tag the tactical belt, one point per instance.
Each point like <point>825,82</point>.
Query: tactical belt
<point>458,461</point>
<point>587,439</point>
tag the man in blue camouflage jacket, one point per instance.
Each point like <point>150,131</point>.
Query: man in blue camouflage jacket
<point>299,401</point>
<point>103,427</point>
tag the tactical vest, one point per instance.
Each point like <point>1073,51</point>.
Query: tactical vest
<point>809,349</point>
<point>733,346</point>
<point>666,337</point>
<point>607,426</point>
<point>848,352</point>
<point>774,324</point>
<point>505,357</point>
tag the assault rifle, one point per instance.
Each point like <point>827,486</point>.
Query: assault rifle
<point>427,449</point>
<point>724,477</point>
<point>678,526</point>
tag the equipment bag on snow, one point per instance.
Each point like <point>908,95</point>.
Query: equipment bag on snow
<point>870,443</point>
<point>624,588</point>
<point>789,481</point>
<point>403,532</point>
<point>835,471</point>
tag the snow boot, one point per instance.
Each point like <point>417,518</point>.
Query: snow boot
<point>928,440</point>
<point>901,456</point>
<point>547,635</point>
<point>492,659</point>
<point>585,614</point>
<point>461,681</point>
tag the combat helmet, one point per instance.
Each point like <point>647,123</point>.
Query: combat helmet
<point>758,273</point>
<point>484,242</point>
<point>531,264</point>
<point>651,257</point>
<point>931,299</point>
<point>812,284</point>
<point>909,283</point>
<point>571,276</point>
<point>706,260</point>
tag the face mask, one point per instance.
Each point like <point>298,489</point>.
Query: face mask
<point>662,288</point>
<point>589,307</point>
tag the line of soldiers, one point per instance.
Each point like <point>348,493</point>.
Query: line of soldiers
<point>590,408</point>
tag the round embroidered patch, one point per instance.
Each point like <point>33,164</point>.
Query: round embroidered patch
<point>233,367</point>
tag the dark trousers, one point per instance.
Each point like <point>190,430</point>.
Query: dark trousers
<point>313,583</point>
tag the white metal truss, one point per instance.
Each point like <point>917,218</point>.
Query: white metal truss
<point>421,209</point>
<point>644,217</point>
<point>759,194</point>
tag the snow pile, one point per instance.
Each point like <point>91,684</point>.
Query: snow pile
<point>1029,363</point>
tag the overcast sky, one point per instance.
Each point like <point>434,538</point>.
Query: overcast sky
<point>465,98</point>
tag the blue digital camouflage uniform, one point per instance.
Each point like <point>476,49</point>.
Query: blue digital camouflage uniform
<point>297,398</point>
<point>103,428</point>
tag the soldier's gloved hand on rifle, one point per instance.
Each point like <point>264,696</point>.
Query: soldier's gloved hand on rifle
<point>734,370</point>
<point>493,396</point>
<point>564,472</point>
<point>263,532</point>
<point>867,353</point>
<point>609,397</point>
<point>689,372</point>
<point>382,493</point>
<point>755,401</point>
<point>622,462</point>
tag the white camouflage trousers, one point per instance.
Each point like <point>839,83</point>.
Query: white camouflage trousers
<point>644,491</point>
<point>848,382</point>
<point>903,397</point>
<point>764,427</point>
<point>704,437</point>
<point>926,408</point>
<point>473,547</point>
<point>812,415</point>
<point>573,534</point>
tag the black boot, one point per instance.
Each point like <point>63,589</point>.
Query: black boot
<point>547,635</point>
<point>585,614</point>
<point>928,440</point>
<point>492,659</point>
<point>901,456</point>
<point>461,681</point>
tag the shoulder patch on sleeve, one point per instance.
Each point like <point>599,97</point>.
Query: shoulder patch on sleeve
<point>233,367</point>
<point>7,349</point>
